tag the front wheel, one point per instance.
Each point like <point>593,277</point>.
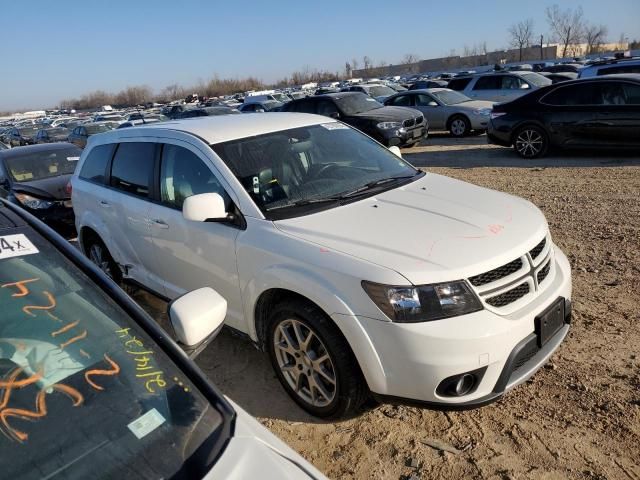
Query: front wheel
<point>313,361</point>
<point>459,126</point>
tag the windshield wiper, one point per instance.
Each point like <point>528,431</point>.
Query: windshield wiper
<point>375,183</point>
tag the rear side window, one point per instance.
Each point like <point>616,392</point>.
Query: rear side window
<point>459,83</point>
<point>619,69</point>
<point>489,83</point>
<point>132,167</point>
<point>95,166</point>
<point>304,106</point>
<point>577,94</point>
<point>401,101</point>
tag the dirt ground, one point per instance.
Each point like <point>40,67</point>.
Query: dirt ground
<point>579,417</point>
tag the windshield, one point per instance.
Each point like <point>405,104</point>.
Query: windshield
<point>27,131</point>
<point>305,166</point>
<point>357,103</point>
<point>450,97</point>
<point>271,105</point>
<point>280,97</point>
<point>536,79</point>
<point>42,164</point>
<point>381,91</point>
<point>103,127</point>
<point>57,131</point>
<point>86,393</point>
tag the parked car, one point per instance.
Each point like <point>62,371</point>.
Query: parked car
<point>24,135</point>
<point>270,97</point>
<point>422,84</point>
<point>608,67</point>
<point>593,112</point>
<point>80,134</point>
<point>173,111</point>
<point>377,91</point>
<point>99,380</point>
<point>51,135</point>
<point>251,106</point>
<point>356,272</point>
<point>207,111</point>
<point>500,86</point>
<point>109,117</point>
<point>560,76</point>
<point>391,126</point>
<point>446,109</point>
<point>36,178</point>
<point>563,67</point>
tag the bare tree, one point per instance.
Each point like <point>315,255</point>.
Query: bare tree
<point>354,64</point>
<point>521,35</point>
<point>595,36</point>
<point>366,62</point>
<point>566,26</point>
<point>410,58</point>
<point>347,69</point>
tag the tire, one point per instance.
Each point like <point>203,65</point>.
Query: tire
<point>459,126</point>
<point>530,142</point>
<point>99,255</point>
<point>298,335</point>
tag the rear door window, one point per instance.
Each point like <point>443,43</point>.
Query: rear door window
<point>95,166</point>
<point>401,101</point>
<point>490,82</point>
<point>574,95</point>
<point>132,167</point>
<point>459,83</point>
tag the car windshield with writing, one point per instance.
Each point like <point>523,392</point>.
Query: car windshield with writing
<point>101,128</point>
<point>27,131</point>
<point>84,391</point>
<point>381,91</point>
<point>359,103</point>
<point>298,171</point>
<point>24,167</point>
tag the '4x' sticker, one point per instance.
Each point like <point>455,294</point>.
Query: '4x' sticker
<point>16,246</point>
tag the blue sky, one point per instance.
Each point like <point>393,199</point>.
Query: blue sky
<point>60,49</point>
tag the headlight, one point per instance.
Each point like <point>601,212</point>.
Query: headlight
<point>423,303</point>
<point>32,202</point>
<point>483,111</point>
<point>388,125</point>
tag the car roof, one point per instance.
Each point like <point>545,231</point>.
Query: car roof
<point>223,128</point>
<point>42,147</point>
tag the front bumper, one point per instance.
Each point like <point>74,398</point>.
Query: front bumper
<point>413,359</point>
<point>401,137</point>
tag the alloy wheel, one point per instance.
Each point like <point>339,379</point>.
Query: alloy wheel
<point>458,127</point>
<point>529,143</point>
<point>305,362</point>
<point>98,256</point>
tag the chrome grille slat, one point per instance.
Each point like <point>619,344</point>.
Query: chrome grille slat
<point>537,250</point>
<point>542,274</point>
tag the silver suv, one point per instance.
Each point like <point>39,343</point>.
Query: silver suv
<point>499,86</point>
<point>608,67</point>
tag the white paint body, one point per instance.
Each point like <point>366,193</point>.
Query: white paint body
<point>435,229</point>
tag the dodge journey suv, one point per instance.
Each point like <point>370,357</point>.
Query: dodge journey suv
<point>358,274</point>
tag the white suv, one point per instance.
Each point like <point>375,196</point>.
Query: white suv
<point>356,272</point>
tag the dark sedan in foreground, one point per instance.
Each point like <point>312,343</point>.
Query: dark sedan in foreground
<point>600,112</point>
<point>391,126</point>
<point>36,177</point>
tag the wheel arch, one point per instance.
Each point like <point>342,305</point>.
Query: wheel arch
<point>526,123</point>
<point>452,118</point>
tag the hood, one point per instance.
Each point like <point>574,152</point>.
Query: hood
<point>46,188</point>
<point>390,114</point>
<point>434,229</point>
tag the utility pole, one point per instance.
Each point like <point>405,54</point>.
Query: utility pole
<point>541,49</point>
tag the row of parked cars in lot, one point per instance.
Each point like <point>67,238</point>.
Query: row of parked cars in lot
<point>277,225</point>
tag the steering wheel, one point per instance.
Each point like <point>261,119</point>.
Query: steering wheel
<point>325,168</point>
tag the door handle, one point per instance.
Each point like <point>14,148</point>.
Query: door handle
<point>160,223</point>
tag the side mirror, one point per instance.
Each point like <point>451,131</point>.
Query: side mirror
<point>432,104</point>
<point>204,207</point>
<point>335,115</point>
<point>396,151</point>
<point>524,86</point>
<point>259,110</point>
<point>197,317</point>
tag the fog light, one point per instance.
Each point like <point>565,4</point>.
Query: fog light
<point>461,384</point>
<point>465,384</point>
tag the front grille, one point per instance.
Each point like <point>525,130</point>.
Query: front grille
<point>496,273</point>
<point>537,250</point>
<point>409,123</point>
<point>542,274</point>
<point>509,296</point>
